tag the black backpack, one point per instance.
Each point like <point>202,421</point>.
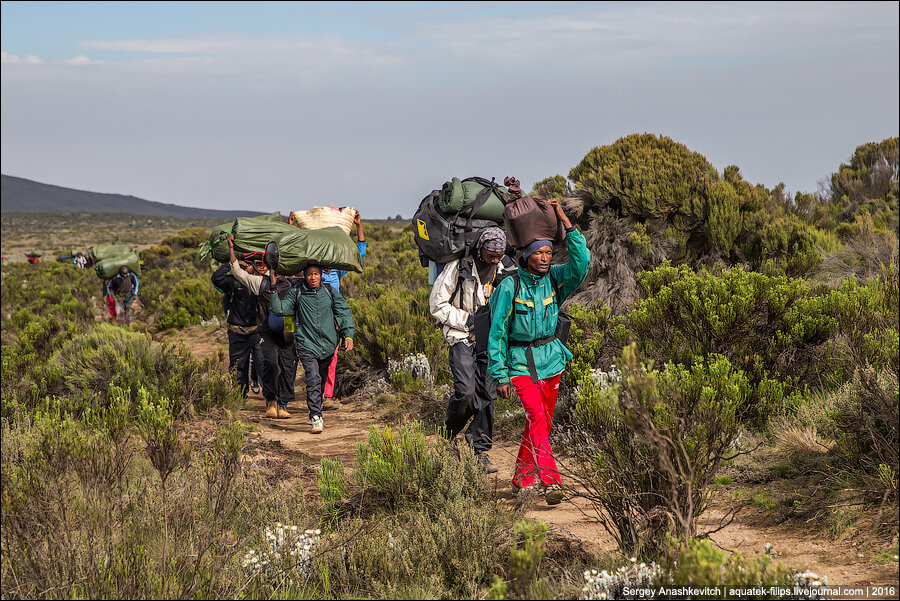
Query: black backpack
<point>443,238</point>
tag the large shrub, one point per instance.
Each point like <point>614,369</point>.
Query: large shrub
<point>652,442</point>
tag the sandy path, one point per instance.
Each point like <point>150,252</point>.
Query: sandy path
<point>347,423</point>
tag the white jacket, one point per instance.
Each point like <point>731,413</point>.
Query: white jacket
<point>473,294</point>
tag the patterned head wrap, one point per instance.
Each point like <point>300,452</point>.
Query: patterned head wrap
<point>493,239</point>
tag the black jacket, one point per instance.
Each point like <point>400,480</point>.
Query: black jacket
<point>239,303</point>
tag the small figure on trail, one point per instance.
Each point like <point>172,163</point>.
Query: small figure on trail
<point>278,363</point>
<point>240,306</point>
<point>462,287</point>
<point>525,353</point>
<point>333,277</point>
<point>123,288</point>
<point>80,261</point>
<point>33,258</point>
<point>320,313</point>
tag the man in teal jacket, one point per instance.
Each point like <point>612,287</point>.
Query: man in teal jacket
<point>320,314</point>
<point>524,352</point>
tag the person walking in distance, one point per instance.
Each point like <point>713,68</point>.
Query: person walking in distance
<point>332,277</point>
<point>463,286</point>
<point>123,288</point>
<point>320,314</point>
<point>526,355</point>
<point>278,358</point>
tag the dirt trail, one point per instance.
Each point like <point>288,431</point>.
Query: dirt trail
<point>349,422</point>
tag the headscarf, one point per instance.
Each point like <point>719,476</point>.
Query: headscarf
<point>534,246</point>
<point>493,239</point>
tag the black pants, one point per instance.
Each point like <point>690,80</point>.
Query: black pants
<point>279,368</point>
<point>473,397</point>
<point>240,347</point>
<point>316,371</point>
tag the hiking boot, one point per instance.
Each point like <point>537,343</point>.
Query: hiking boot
<point>486,464</point>
<point>553,494</point>
<point>283,413</point>
<point>271,409</point>
<point>254,387</point>
<point>317,424</point>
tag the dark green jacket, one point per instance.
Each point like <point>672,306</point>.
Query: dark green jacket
<point>532,314</point>
<point>316,312</point>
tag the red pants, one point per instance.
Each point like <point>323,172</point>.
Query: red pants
<point>112,306</point>
<point>535,456</point>
<point>328,391</point>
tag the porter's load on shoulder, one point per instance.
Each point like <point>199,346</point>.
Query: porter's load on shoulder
<point>98,253</point>
<point>329,247</point>
<point>443,238</point>
<point>251,234</point>
<point>529,218</point>
<point>109,267</point>
<point>318,218</point>
<point>459,196</point>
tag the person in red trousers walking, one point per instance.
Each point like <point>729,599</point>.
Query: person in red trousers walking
<point>525,352</point>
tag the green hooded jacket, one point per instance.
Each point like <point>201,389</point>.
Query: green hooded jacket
<point>532,315</point>
<point>316,312</point>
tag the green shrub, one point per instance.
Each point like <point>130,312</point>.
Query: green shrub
<point>188,238</point>
<point>431,525</point>
<point>654,440</point>
<point>86,371</point>
<point>394,322</point>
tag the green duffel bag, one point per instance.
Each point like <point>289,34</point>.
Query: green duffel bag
<point>98,253</point>
<point>328,247</point>
<point>251,234</point>
<point>109,267</point>
<point>457,197</point>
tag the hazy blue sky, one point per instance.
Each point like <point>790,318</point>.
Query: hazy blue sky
<point>282,106</point>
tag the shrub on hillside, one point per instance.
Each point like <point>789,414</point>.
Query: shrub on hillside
<point>188,238</point>
<point>86,370</point>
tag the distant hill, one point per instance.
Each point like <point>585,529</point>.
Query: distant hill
<point>25,196</point>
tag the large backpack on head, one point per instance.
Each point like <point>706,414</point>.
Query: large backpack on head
<point>444,237</point>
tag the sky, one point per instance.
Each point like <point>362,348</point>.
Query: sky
<point>281,106</point>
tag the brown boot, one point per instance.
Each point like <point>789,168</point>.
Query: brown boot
<point>282,413</point>
<point>271,409</point>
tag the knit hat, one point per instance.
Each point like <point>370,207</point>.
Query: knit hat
<point>534,246</point>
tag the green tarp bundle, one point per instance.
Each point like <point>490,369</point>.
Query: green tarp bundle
<point>458,196</point>
<point>109,267</point>
<point>251,234</point>
<point>329,247</point>
<point>98,253</point>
